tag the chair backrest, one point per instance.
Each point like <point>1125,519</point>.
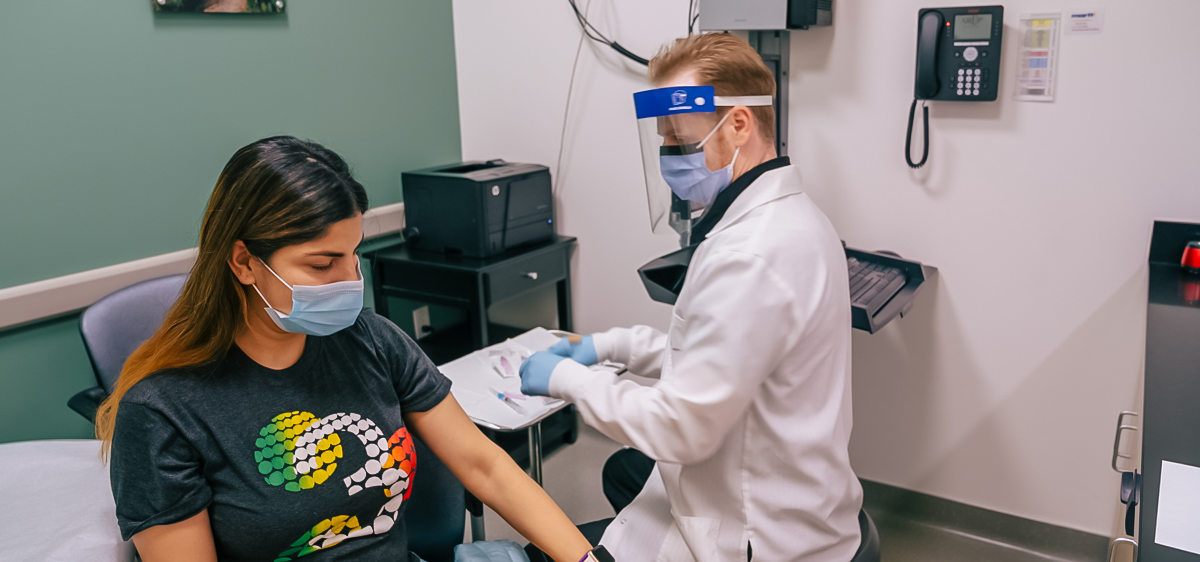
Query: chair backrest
<point>435,513</point>
<point>120,322</point>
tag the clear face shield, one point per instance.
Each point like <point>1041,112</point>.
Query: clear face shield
<point>674,126</point>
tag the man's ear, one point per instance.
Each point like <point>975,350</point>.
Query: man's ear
<point>743,125</point>
<point>239,262</point>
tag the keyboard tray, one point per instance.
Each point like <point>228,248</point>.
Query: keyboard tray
<point>901,302</point>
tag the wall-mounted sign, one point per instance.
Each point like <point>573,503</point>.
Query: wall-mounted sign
<point>1085,22</point>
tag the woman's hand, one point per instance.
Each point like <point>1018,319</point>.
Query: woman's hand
<point>492,476</point>
<point>189,540</point>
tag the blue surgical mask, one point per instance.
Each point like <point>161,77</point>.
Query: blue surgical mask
<point>318,310</point>
<point>689,177</point>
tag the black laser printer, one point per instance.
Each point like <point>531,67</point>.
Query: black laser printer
<point>477,209</point>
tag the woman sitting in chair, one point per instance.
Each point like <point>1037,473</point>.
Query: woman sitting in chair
<point>269,416</point>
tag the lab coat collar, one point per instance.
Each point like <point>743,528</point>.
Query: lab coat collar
<point>773,184</point>
<point>730,194</point>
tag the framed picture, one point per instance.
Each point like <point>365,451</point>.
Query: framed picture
<point>220,6</point>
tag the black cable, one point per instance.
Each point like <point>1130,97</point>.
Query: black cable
<point>588,29</point>
<point>691,19</point>
<point>595,35</point>
<point>618,48</point>
<point>912,112</point>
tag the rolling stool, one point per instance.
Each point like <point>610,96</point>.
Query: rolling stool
<point>868,549</point>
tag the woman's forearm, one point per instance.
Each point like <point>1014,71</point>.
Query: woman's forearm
<point>527,508</point>
<point>490,474</point>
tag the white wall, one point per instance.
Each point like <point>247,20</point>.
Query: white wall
<point>514,66</point>
<point>1001,388</point>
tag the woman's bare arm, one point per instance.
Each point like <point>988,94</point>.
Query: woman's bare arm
<point>492,476</point>
<point>189,540</point>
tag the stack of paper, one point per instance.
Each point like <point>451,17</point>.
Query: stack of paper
<point>479,379</point>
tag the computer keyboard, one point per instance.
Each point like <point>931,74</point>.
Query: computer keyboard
<point>873,284</point>
<point>882,287</point>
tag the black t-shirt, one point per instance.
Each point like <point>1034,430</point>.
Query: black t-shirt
<point>289,463</point>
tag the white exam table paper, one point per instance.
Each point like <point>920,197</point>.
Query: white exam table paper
<point>56,504</point>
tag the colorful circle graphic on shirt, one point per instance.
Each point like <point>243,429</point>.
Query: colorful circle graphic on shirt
<point>299,451</point>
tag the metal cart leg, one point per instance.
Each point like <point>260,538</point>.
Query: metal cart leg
<point>475,508</point>
<point>535,452</point>
<point>477,533</point>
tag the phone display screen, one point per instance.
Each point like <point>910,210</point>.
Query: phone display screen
<point>969,27</point>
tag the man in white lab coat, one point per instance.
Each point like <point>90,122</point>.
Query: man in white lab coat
<point>750,419</point>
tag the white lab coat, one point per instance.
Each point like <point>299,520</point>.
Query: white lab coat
<point>750,420</point>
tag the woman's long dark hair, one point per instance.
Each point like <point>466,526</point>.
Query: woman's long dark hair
<point>273,193</point>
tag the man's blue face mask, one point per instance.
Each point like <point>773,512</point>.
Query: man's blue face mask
<point>684,170</point>
<point>318,310</point>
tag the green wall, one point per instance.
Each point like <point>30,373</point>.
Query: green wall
<point>115,122</point>
<point>41,366</point>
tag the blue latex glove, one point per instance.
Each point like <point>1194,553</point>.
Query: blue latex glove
<point>490,551</point>
<point>583,352</point>
<point>536,371</point>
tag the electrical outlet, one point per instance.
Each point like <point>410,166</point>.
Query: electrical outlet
<point>421,325</point>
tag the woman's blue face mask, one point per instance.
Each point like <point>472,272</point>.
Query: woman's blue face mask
<point>684,169</point>
<point>318,310</point>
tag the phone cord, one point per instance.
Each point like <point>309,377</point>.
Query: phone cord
<point>912,112</point>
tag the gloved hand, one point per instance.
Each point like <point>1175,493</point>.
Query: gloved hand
<point>490,551</point>
<point>583,352</point>
<point>536,371</point>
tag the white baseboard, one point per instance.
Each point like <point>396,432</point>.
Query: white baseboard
<point>60,295</point>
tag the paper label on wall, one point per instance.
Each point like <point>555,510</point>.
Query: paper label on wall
<point>1039,56</point>
<point>1085,22</point>
<point>1178,507</point>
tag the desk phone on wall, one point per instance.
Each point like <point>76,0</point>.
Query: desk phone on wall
<point>958,59</point>
<point>958,53</point>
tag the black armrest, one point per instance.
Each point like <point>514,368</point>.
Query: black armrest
<point>87,402</point>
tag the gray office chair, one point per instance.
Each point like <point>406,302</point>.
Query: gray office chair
<point>868,549</point>
<point>117,324</point>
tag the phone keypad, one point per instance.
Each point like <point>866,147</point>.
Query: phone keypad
<point>970,81</point>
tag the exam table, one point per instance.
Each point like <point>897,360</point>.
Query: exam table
<point>56,504</point>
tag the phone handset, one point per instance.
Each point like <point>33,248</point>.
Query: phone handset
<point>929,31</point>
<point>927,54</point>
